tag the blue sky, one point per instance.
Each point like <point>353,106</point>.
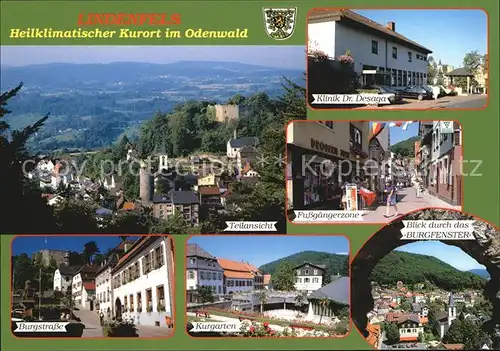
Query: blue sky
<point>399,134</point>
<point>271,56</point>
<point>446,253</point>
<point>31,244</point>
<point>260,249</point>
<point>450,34</point>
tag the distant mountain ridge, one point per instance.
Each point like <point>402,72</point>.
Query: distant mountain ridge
<point>480,272</point>
<point>413,268</point>
<point>91,105</point>
<point>67,74</point>
<point>335,263</point>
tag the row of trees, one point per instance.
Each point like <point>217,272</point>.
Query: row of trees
<point>473,62</point>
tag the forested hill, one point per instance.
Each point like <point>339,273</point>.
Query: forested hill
<point>413,268</point>
<point>480,272</point>
<point>405,147</point>
<point>92,105</point>
<point>335,263</point>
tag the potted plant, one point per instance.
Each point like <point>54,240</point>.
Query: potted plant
<point>123,329</point>
<point>149,309</point>
<point>160,307</point>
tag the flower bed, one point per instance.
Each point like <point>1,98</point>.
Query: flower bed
<point>264,330</point>
<point>258,317</point>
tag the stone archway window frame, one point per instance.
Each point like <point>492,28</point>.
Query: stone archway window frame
<point>485,250</point>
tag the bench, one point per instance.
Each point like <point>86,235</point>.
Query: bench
<point>202,314</point>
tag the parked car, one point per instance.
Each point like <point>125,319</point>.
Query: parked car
<point>417,92</point>
<point>384,89</point>
<point>437,92</point>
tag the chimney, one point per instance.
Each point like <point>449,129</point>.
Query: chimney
<point>391,26</point>
<point>234,134</point>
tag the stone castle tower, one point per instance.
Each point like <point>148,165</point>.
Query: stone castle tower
<point>146,186</point>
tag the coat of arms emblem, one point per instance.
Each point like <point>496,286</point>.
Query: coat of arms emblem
<point>280,22</point>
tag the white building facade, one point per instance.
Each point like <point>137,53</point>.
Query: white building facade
<point>83,287</point>
<point>104,292</point>
<point>141,282</point>
<point>104,287</point>
<point>202,269</point>
<point>309,277</point>
<point>381,55</point>
<point>62,280</point>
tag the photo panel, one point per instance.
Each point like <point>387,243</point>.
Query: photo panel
<point>397,59</point>
<point>137,143</point>
<point>429,280</point>
<point>268,286</point>
<point>92,286</point>
<point>371,171</point>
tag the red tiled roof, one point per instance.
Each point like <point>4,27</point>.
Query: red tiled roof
<point>408,338</point>
<point>235,269</point>
<point>136,247</point>
<point>209,190</point>
<point>57,167</point>
<point>232,265</point>
<point>453,346</point>
<point>374,334</point>
<point>128,206</point>
<point>89,285</point>
<point>238,275</point>
<point>424,320</point>
<point>246,168</point>
<point>48,196</point>
<point>393,317</point>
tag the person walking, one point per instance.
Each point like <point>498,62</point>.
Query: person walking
<point>418,189</point>
<point>390,191</point>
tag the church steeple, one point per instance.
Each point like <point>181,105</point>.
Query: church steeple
<point>452,309</point>
<point>163,157</point>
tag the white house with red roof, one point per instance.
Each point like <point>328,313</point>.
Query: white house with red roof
<point>83,287</point>
<point>142,282</point>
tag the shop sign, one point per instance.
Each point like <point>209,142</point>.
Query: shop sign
<point>324,147</point>
<point>345,154</point>
<point>446,127</point>
<point>351,192</point>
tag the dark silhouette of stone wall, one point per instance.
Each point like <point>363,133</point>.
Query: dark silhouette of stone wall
<point>485,250</point>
